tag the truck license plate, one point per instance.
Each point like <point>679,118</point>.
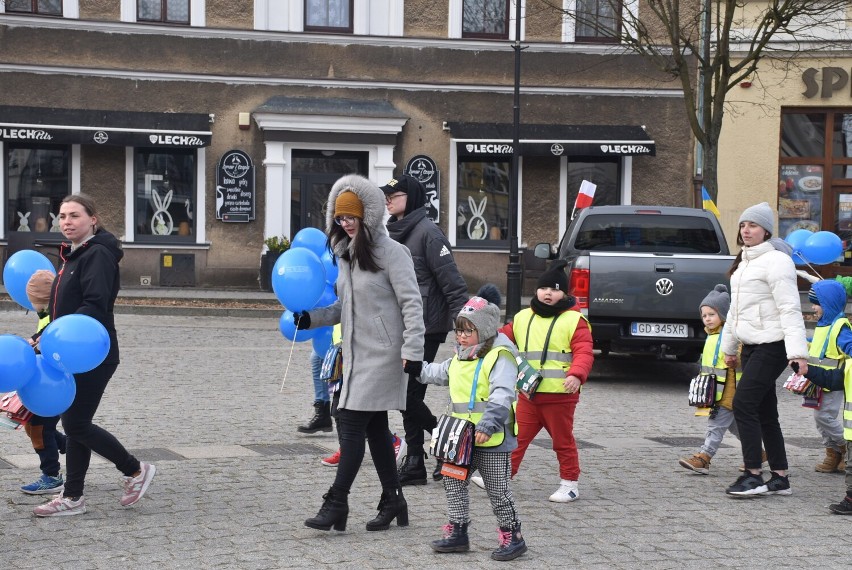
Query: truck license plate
<point>659,329</point>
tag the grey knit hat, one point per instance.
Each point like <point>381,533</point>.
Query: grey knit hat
<point>719,300</point>
<point>762,215</point>
<point>483,311</point>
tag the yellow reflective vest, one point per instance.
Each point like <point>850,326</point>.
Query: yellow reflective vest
<point>719,368</point>
<point>823,351</point>
<point>530,332</point>
<point>462,375</point>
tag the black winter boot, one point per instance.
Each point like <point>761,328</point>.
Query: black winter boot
<point>455,539</point>
<point>321,420</point>
<point>392,505</point>
<point>436,474</point>
<point>511,544</point>
<point>333,512</point>
<point>413,470</point>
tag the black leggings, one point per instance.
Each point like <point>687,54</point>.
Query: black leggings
<point>84,437</point>
<point>352,427</point>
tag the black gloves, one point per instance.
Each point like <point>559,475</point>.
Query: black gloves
<point>302,320</point>
<point>795,367</point>
<point>413,367</point>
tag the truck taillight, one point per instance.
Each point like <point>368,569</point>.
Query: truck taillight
<point>580,287</point>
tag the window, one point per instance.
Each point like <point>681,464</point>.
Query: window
<point>165,190</point>
<point>651,233</point>
<point>166,11</point>
<point>328,16</point>
<point>44,7</point>
<point>482,213</point>
<point>37,179</point>
<point>485,19</point>
<point>602,173</point>
<point>598,20</point>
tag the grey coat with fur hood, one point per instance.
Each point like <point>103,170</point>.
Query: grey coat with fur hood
<point>381,313</point>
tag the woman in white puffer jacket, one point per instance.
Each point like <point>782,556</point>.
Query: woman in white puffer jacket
<point>766,317</point>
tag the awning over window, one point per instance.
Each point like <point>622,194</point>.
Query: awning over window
<point>117,128</point>
<point>477,139</point>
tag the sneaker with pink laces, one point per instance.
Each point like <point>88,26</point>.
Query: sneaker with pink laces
<point>60,506</point>
<point>135,487</point>
<point>399,449</point>
<point>333,459</point>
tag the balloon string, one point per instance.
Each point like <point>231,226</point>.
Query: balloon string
<point>808,263</point>
<point>289,358</point>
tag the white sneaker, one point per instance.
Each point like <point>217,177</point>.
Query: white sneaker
<point>568,491</point>
<point>60,506</point>
<point>477,480</point>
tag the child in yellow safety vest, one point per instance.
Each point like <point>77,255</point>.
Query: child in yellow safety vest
<point>556,339</point>
<point>481,378</point>
<point>47,441</point>
<point>714,309</point>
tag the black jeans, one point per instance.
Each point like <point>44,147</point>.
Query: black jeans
<point>47,442</point>
<point>417,416</point>
<point>756,405</point>
<point>352,428</point>
<point>84,437</point>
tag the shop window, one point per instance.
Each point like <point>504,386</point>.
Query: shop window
<point>482,211</point>
<point>328,16</point>
<point>597,21</point>
<point>164,195</point>
<point>485,19</point>
<point>41,7</point>
<point>166,11</point>
<point>602,173</point>
<point>803,134</point>
<point>37,180</point>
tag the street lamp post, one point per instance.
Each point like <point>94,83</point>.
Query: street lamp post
<point>513,271</point>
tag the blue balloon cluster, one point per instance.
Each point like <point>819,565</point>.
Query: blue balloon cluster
<point>70,345</point>
<point>303,279</point>
<point>816,248</point>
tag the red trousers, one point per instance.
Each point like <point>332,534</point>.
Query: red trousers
<point>554,413</point>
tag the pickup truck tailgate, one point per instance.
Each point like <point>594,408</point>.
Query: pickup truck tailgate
<point>650,286</point>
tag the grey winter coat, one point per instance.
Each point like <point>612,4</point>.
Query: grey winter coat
<point>442,287</point>
<point>498,414</point>
<point>381,314</point>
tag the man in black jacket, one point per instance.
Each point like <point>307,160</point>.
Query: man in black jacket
<point>444,293</point>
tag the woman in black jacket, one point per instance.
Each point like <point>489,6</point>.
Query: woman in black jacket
<point>87,284</point>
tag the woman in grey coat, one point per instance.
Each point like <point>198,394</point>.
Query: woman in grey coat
<point>381,315</point>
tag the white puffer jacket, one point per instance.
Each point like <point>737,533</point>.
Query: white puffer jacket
<point>765,303</point>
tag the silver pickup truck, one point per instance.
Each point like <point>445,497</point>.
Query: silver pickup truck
<point>639,274</point>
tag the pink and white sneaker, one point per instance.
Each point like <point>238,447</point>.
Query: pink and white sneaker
<point>135,487</point>
<point>60,506</point>
<point>399,449</point>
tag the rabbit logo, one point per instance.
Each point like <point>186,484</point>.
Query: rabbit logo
<point>162,223</point>
<point>24,222</point>
<point>477,228</point>
<point>54,223</point>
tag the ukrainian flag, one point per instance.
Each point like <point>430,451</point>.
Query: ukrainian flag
<point>708,203</point>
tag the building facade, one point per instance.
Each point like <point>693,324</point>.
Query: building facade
<point>202,127</point>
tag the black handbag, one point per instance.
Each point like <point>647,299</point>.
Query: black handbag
<point>702,390</point>
<point>452,440</point>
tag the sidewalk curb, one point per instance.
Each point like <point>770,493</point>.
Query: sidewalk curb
<point>177,310</point>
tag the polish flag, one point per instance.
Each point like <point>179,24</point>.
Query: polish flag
<point>585,196</point>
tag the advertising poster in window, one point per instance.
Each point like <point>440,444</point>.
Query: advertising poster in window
<point>800,198</point>
<point>235,196</point>
<point>424,169</point>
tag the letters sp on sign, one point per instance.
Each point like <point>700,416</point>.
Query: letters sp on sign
<point>825,82</point>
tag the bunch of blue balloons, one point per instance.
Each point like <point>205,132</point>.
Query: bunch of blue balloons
<point>815,248</point>
<point>69,345</point>
<point>303,279</point>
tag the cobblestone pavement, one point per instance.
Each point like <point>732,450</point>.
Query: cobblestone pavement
<point>201,398</point>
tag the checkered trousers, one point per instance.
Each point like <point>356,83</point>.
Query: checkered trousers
<point>495,468</point>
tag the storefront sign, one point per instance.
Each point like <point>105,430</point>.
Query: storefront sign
<point>424,169</point>
<point>825,82</point>
<point>235,195</point>
<point>570,148</point>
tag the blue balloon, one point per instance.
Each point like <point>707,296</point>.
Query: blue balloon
<point>312,239</point>
<point>322,340</point>
<point>822,248</point>
<point>17,362</point>
<point>329,262</point>
<point>288,329</point>
<point>298,279</point>
<point>17,272</point>
<point>328,297</point>
<point>50,392</point>
<point>74,343</point>
<point>797,241</point>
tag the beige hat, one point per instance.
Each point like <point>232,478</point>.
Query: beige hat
<point>38,288</point>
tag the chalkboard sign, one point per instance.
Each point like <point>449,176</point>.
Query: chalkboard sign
<point>426,172</point>
<point>235,195</point>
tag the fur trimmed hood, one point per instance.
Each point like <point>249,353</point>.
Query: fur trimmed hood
<point>373,199</point>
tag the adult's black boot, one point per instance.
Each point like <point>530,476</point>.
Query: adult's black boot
<point>392,505</point>
<point>455,539</point>
<point>413,470</point>
<point>436,474</point>
<point>333,512</point>
<point>321,420</point>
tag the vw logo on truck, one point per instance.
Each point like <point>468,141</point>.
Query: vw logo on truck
<point>665,286</point>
